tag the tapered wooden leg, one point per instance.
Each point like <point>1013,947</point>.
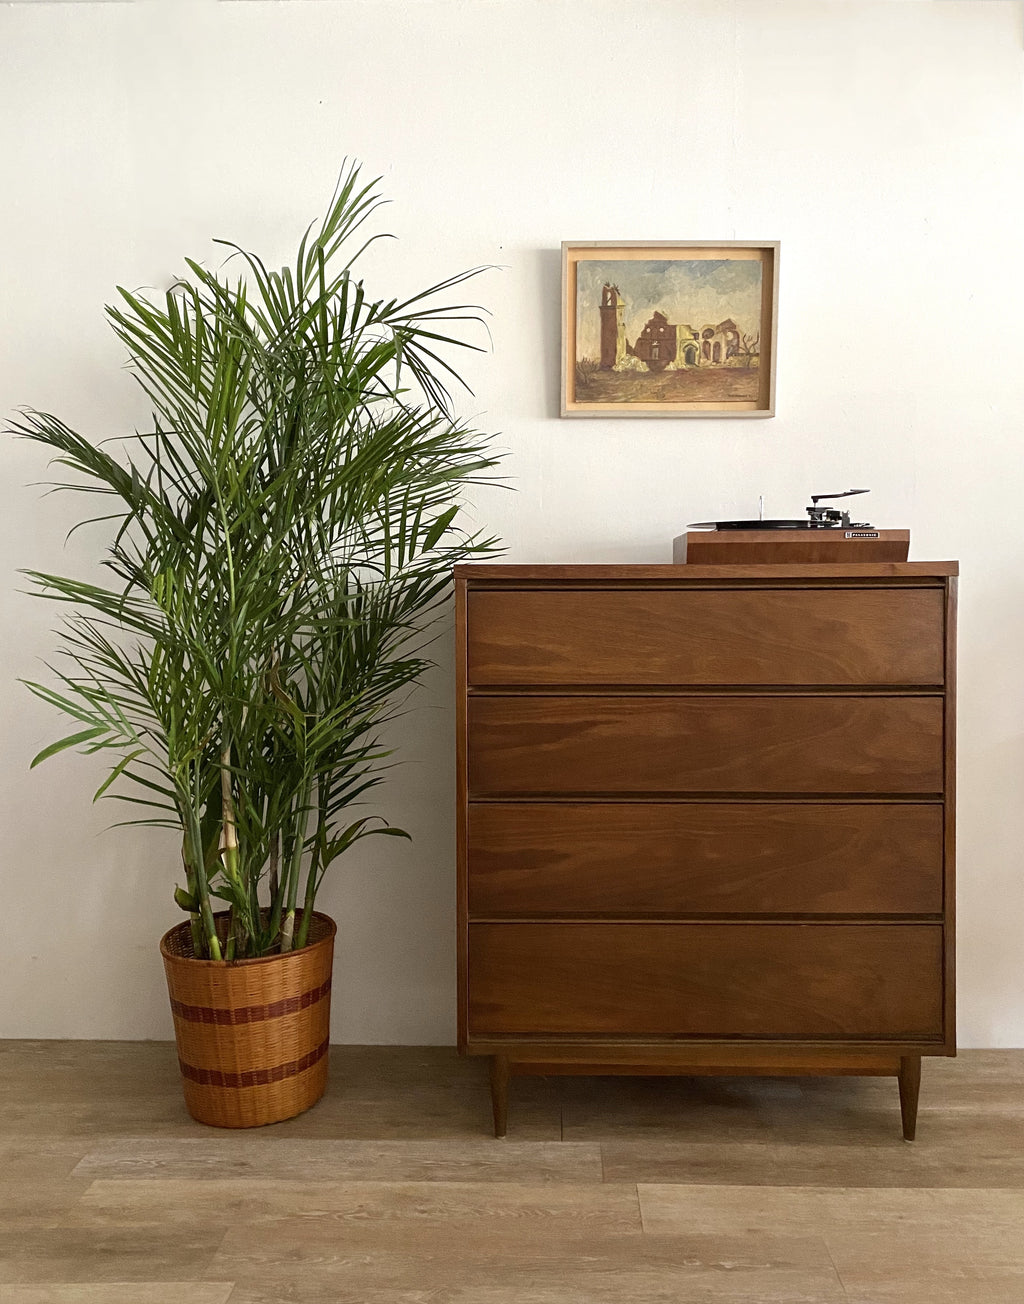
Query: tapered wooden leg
<point>499,1092</point>
<point>910,1088</point>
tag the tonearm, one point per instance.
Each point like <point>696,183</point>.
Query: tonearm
<point>831,515</point>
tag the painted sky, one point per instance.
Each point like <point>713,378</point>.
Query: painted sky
<point>693,292</point>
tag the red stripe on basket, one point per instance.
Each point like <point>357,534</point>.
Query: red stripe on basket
<point>251,1013</point>
<point>253,1077</point>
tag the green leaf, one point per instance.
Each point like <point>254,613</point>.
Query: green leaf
<point>116,772</point>
<point>186,900</point>
<point>73,740</point>
<point>439,526</point>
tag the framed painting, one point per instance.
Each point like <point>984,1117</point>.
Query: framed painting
<point>669,328</point>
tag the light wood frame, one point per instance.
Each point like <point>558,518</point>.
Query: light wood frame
<point>766,252</point>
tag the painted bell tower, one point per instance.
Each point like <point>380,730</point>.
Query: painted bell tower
<point>613,328</point>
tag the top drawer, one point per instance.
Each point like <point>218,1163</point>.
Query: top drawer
<point>706,636</point>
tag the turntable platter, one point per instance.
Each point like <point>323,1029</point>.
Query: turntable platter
<point>763,525</point>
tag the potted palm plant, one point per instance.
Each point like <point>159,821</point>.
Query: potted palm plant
<point>280,540</point>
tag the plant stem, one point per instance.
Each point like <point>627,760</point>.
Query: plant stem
<point>194,920</point>
<point>313,877</point>
<point>276,894</point>
<point>275,864</point>
<point>212,946</point>
<point>308,900</point>
<point>294,867</point>
<point>229,849</point>
<point>229,828</point>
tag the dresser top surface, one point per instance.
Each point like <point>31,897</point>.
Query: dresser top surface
<point>832,570</point>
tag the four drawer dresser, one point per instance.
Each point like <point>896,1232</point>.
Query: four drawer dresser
<point>705,819</point>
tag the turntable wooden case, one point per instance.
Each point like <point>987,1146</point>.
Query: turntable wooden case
<point>705,819</point>
<point>746,547</point>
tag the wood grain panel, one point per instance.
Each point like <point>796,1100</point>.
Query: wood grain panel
<point>873,572</point>
<point>743,636</point>
<point>732,547</point>
<point>722,980</point>
<point>950,803</point>
<point>782,744</point>
<point>578,858</point>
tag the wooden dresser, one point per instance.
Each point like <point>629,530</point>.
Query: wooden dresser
<point>705,819</point>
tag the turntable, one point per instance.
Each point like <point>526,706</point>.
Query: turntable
<point>826,535</point>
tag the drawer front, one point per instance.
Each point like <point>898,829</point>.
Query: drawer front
<point>577,858</point>
<point>820,981</point>
<point>779,744</point>
<point>706,637</point>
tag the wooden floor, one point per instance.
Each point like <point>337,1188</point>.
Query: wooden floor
<point>392,1191</point>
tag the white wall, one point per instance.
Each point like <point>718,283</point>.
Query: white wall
<point>880,142</point>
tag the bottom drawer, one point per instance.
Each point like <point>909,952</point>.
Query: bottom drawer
<point>864,981</point>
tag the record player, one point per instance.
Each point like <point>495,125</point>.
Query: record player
<point>826,535</point>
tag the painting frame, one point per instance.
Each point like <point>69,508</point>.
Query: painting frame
<point>757,386</point>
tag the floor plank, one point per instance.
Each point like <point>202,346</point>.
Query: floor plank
<point>668,1209</point>
<point>551,1208</point>
<point>39,1158</point>
<point>261,1154</point>
<point>884,1244</point>
<point>408,1257</point>
<point>37,1202</point>
<point>119,1292</point>
<point>70,1254</point>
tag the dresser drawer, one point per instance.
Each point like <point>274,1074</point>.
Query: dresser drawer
<point>809,981</point>
<point>706,637</point>
<point>521,745</point>
<point>576,858</point>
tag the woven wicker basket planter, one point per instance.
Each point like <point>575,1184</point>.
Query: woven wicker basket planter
<point>252,1034</point>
